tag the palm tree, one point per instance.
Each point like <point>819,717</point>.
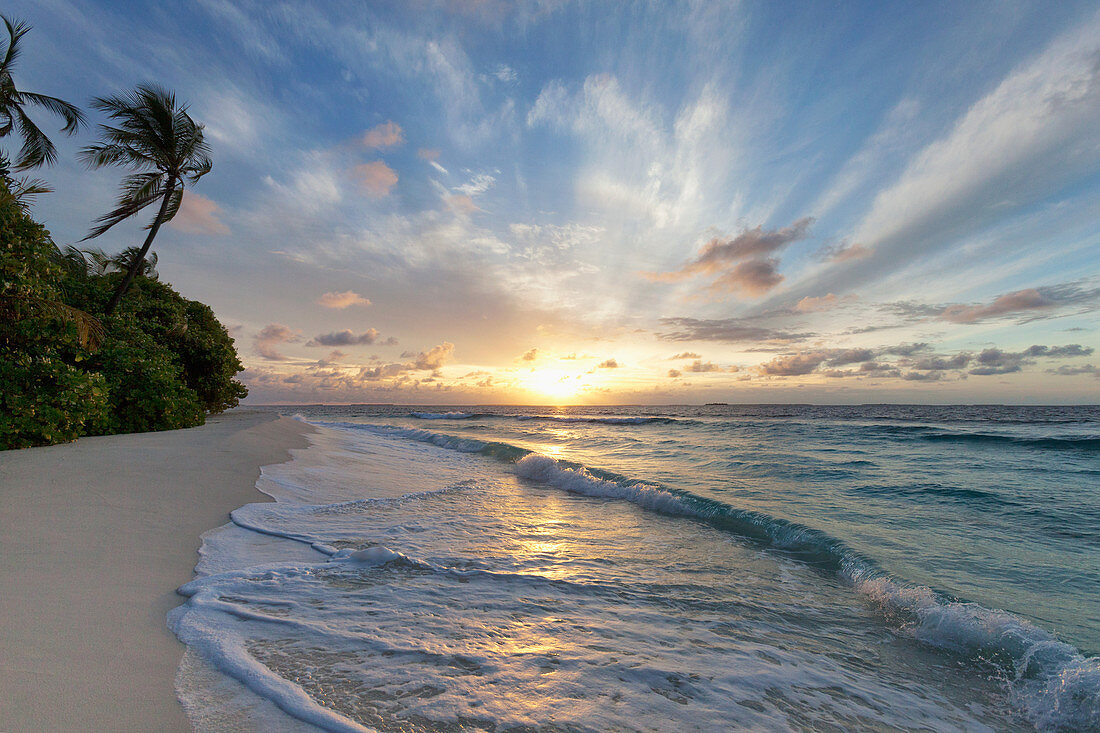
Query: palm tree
<point>159,141</point>
<point>37,148</point>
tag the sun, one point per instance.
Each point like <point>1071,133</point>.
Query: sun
<point>555,385</point>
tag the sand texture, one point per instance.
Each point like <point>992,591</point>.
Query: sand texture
<point>95,537</point>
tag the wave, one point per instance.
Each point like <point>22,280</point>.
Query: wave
<point>653,419</point>
<point>1065,443</point>
<point>635,420</point>
<point>938,434</point>
<point>445,415</point>
<point>1051,681</point>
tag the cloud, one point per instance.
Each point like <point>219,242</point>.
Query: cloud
<point>685,355</point>
<point>344,338</point>
<point>432,157</point>
<point>939,363</point>
<point>342,300</point>
<point>996,361</point>
<point>1068,371</point>
<point>198,215</point>
<point>725,330</point>
<point>1007,304</point>
<point>905,349</point>
<point>1031,301</point>
<point>851,356</point>
<point>460,203</point>
<point>435,357</point>
<point>376,178</point>
<point>333,357</point>
<point>1030,137</point>
<point>753,277</point>
<point>385,135</point>
<point>845,253</point>
<point>530,354</point>
<point>1059,351</point>
<point>811,304</point>
<point>699,366</point>
<point>504,73</point>
<point>271,336</point>
<point>740,264</point>
<point>430,360</point>
<point>608,364</point>
<point>793,365</point>
<point>674,373</point>
<point>477,185</point>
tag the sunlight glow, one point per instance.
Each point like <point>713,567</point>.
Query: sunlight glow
<point>557,386</point>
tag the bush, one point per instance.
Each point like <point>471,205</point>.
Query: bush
<point>43,400</point>
<point>163,363</point>
<point>144,382</point>
<point>44,396</point>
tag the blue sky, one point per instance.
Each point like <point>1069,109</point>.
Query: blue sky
<point>455,202</point>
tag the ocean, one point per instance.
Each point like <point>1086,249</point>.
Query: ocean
<point>724,567</point>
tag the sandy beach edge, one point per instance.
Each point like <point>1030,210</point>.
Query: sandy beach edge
<point>95,536</point>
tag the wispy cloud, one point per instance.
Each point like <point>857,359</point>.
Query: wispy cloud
<point>740,264</point>
<point>341,300</point>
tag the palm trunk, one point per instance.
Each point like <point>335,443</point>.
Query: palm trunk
<point>135,267</point>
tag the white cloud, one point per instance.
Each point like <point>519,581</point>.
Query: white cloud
<point>1034,134</point>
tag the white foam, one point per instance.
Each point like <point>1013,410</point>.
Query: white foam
<point>441,415</point>
<point>580,481</point>
<point>1053,683</point>
<point>207,636</point>
<point>372,556</point>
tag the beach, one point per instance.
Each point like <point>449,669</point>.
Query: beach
<point>95,537</point>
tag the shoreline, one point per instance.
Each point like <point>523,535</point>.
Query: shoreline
<point>95,537</point>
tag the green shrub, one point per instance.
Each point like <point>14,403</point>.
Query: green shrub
<point>43,400</point>
<point>45,397</point>
<point>144,381</point>
<point>163,363</point>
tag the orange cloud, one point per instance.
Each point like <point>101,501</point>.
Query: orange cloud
<point>376,178</point>
<point>1020,301</point>
<point>461,203</point>
<point>810,304</point>
<point>342,300</point>
<point>385,135</point>
<point>198,215</point>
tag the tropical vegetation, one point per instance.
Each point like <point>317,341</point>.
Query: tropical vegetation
<point>76,356</point>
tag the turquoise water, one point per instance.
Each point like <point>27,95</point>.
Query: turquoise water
<point>689,568</point>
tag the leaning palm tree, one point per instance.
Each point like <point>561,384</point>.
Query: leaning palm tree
<point>128,258</point>
<point>159,141</point>
<point>37,148</point>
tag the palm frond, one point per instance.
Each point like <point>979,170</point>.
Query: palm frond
<point>89,329</point>
<point>70,113</point>
<point>16,30</point>
<point>126,206</point>
<point>26,190</point>
<point>37,148</point>
<point>125,260</point>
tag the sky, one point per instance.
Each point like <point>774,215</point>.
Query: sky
<point>488,202</point>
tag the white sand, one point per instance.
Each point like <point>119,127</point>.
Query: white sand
<point>95,536</point>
